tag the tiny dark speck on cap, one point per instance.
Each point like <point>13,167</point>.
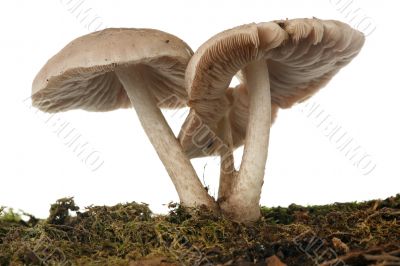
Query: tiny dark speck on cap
<point>209,145</point>
<point>166,41</point>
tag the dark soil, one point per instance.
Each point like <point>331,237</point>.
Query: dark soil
<point>366,233</point>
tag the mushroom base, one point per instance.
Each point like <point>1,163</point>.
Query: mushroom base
<point>243,203</point>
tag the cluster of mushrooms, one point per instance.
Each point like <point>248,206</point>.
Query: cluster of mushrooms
<point>279,63</point>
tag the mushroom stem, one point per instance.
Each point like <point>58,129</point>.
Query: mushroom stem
<point>227,169</point>
<point>243,203</point>
<point>190,190</point>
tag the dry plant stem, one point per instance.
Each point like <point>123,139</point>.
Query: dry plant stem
<point>189,188</point>
<point>243,203</point>
<point>227,171</point>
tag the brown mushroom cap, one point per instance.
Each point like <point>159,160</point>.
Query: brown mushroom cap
<point>316,51</point>
<point>302,56</point>
<point>194,131</point>
<point>81,74</point>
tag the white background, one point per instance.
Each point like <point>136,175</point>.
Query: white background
<point>304,166</point>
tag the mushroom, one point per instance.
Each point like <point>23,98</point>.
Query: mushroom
<point>281,62</point>
<point>115,68</point>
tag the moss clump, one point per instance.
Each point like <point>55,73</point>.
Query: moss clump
<point>130,234</point>
<point>9,216</point>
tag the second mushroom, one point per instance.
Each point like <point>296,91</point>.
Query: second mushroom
<point>280,63</point>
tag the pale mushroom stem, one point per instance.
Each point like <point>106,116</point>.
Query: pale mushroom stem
<point>227,169</point>
<point>243,204</point>
<point>190,190</point>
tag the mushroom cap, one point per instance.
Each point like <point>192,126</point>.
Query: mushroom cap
<point>302,56</point>
<point>210,135</point>
<point>81,75</point>
<point>315,52</point>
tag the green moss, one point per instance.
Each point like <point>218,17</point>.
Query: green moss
<point>9,215</point>
<point>121,234</point>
